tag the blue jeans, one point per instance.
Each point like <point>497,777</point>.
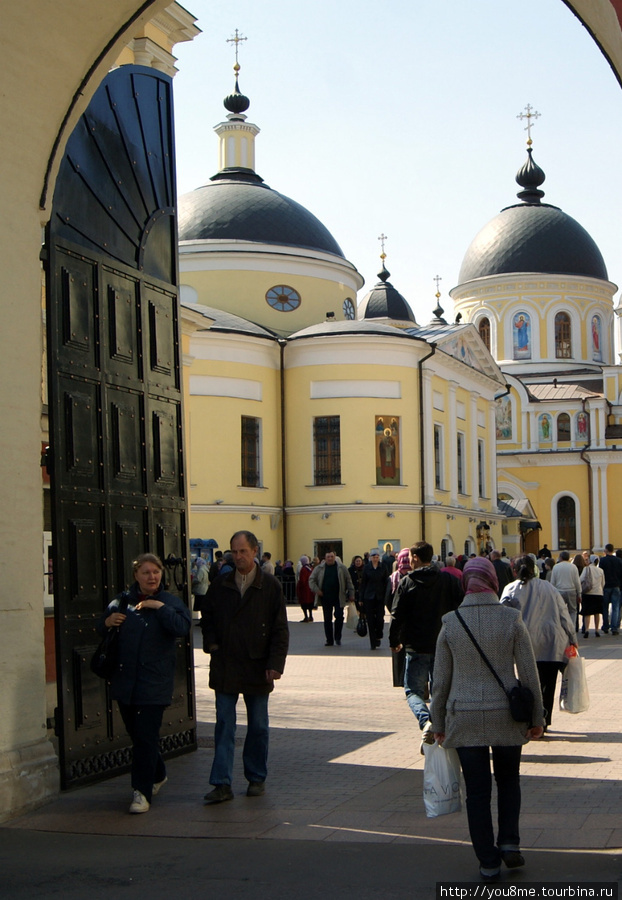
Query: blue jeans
<point>611,595</point>
<point>417,673</point>
<point>255,752</point>
<point>475,762</point>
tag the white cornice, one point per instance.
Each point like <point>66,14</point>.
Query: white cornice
<point>234,348</point>
<point>354,349</point>
<point>177,23</point>
<point>235,508</point>
<point>245,256</point>
<point>508,286</point>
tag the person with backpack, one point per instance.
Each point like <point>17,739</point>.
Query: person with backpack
<point>421,600</point>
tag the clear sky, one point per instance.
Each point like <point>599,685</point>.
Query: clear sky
<point>401,118</point>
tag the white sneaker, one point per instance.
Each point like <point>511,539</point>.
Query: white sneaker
<point>159,784</point>
<point>139,804</point>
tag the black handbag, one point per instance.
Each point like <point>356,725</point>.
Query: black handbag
<point>361,627</point>
<point>105,660</point>
<point>520,697</point>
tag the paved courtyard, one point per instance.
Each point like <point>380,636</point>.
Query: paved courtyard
<point>345,768</point>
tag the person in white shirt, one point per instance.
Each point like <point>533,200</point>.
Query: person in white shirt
<point>592,586</point>
<point>565,577</point>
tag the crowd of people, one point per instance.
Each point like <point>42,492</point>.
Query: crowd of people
<point>454,624</point>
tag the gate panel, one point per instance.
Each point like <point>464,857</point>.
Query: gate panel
<point>117,473</point>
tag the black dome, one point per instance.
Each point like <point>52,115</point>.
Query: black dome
<point>385,302</point>
<point>238,207</point>
<point>532,237</point>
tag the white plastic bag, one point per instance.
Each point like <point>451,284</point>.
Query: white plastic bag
<point>441,781</point>
<point>352,615</point>
<point>574,696</point>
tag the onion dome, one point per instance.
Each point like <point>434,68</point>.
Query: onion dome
<point>532,237</point>
<point>385,302</point>
<point>236,103</point>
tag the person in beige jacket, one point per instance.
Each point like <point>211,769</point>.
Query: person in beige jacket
<point>471,712</point>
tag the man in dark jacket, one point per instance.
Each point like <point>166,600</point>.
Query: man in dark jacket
<point>504,572</point>
<point>612,567</point>
<point>245,631</point>
<point>421,600</point>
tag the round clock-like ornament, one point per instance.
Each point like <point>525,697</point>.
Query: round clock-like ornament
<point>348,309</point>
<point>283,298</point>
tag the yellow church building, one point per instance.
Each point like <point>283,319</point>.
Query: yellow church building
<point>314,421</point>
<point>321,422</point>
<point>535,285</point>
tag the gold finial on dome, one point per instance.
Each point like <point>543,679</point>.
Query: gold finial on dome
<point>382,238</point>
<point>529,115</point>
<point>438,312</point>
<point>383,274</point>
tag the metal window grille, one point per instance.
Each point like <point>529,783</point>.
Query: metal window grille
<point>481,468</point>
<point>563,342</point>
<point>438,470</point>
<point>460,450</point>
<point>326,450</point>
<point>251,473</point>
<point>484,331</point>
<point>563,427</point>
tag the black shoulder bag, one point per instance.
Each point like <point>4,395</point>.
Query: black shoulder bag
<point>520,696</point>
<point>106,658</point>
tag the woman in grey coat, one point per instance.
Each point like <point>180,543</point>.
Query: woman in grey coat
<point>548,622</point>
<point>471,712</point>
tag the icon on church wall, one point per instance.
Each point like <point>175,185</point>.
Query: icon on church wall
<point>521,336</point>
<point>387,450</point>
<point>544,427</point>
<point>582,425</point>
<point>503,417</point>
<point>597,353</point>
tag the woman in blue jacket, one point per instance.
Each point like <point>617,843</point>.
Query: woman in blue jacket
<point>143,683</point>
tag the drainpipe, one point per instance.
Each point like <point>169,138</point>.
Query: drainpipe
<point>422,438</point>
<point>504,393</point>
<point>590,493</point>
<point>282,343</point>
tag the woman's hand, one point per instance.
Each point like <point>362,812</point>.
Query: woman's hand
<point>272,675</point>
<point>439,736</point>
<point>149,603</point>
<point>115,619</point>
<point>535,733</point>
<point>396,649</point>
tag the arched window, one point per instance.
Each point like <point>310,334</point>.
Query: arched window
<point>566,524</point>
<point>483,326</point>
<point>563,427</point>
<point>563,335</point>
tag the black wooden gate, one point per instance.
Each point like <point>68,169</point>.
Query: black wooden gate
<point>114,392</point>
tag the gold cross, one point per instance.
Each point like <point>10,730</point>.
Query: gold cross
<point>383,237</point>
<point>237,40</point>
<point>437,278</point>
<point>529,115</point>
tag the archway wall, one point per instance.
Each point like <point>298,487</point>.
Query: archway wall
<point>603,19</point>
<point>48,52</point>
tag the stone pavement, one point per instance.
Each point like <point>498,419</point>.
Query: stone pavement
<point>345,768</point>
